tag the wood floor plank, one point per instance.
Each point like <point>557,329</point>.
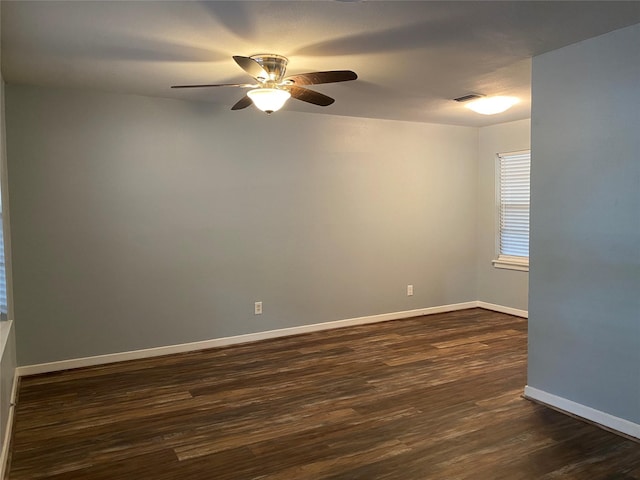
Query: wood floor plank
<point>434,397</point>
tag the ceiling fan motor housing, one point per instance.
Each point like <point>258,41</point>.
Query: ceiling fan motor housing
<point>274,65</point>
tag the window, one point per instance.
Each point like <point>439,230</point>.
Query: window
<point>512,198</point>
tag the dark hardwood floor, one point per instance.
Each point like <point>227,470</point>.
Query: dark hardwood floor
<point>436,397</point>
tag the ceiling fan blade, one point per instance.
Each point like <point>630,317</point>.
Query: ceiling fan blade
<point>244,102</point>
<point>252,67</point>
<point>242,85</point>
<point>310,96</point>
<point>315,78</point>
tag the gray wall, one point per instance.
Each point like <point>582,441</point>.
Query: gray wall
<point>140,222</point>
<point>7,332</point>
<point>7,374</point>
<point>508,288</point>
<point>584,304</point>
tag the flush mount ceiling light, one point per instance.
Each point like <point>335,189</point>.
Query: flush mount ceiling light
<point>492,105</point>
<point>269,100</point>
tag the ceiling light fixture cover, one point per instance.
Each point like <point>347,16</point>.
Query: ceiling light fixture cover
<point>269,100</point>
<point>492,105</point>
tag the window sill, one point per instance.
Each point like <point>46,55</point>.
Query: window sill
<point>5,329</point>
<point>512,263</point>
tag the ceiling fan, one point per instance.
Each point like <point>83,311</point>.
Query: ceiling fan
<point>273,88</point>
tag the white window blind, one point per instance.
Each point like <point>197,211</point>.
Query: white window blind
<point>513,223</point>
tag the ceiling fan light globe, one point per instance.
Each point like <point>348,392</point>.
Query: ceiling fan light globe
<point>492,105</point>
<point>269,99</point>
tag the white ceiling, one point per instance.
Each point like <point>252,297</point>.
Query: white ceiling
<point>412,57</point>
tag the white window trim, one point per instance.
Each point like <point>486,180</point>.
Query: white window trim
<point>507,262</point>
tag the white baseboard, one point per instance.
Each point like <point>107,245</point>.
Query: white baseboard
<point>225,341</point>
<point>606,420</point>
<point>4,454</point>
<point>503,309</point>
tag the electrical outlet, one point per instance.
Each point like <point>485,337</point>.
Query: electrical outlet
<point>258,308</point>
<point>409,290</point>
